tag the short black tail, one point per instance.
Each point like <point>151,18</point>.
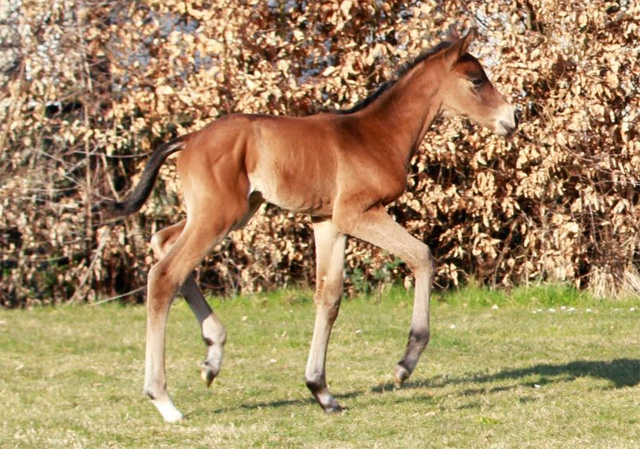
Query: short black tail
<point>141,192</point>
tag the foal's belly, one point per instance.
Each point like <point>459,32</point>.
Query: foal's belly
<point>294,193</point>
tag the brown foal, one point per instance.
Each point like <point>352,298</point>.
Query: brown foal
<point>342,168</point>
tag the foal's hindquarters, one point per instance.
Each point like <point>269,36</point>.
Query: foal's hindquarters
<point>217,202</point>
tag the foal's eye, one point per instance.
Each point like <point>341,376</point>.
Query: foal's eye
<point>477,82</point>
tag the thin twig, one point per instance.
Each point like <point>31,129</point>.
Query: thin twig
<point>102,301</point>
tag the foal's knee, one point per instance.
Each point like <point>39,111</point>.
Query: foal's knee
<point>328,297</point>
<point>328,291</point>
<point>422,261</point>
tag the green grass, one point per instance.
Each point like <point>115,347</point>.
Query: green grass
<point>501,371</point>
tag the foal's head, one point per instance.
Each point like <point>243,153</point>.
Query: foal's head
<point>466,90</point>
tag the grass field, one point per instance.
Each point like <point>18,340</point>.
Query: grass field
<point>534,368</point>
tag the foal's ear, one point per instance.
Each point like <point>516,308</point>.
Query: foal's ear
<point>452,34</point>
<point>466,40</point>
<point>460,47</point>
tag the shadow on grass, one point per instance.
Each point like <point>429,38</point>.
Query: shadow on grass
<point>620,372</point>
<point>284,403</point>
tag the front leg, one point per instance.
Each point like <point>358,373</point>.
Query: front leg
<point>377,227</point>
<point>330,247</point>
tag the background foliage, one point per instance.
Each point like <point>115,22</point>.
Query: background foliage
<point>90,88</point>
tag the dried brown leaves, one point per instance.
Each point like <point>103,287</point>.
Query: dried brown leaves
<point>95,84</point>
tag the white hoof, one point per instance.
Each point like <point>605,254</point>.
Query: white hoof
<point>168,411</point>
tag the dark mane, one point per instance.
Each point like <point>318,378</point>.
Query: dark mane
<point>400,72</point>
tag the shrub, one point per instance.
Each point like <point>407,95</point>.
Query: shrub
<point>90,88</point>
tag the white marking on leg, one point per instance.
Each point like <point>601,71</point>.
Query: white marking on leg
<point>168,411</point>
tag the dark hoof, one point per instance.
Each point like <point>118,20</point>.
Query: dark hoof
<point>334,410</point>
<point>207,375</point>
<point>400,375</point>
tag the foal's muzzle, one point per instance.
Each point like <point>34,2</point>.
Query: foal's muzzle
<point>510,126</point>
<point>508,129</point>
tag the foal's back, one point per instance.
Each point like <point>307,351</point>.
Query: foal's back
<point>302,164</point>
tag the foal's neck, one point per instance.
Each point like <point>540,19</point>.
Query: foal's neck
<point>405,112</point>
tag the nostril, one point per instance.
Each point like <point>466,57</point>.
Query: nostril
<point>508,127</point>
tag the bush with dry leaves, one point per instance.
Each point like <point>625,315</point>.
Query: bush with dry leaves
<point>90,88</point>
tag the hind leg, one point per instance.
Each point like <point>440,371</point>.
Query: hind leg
<point>201,232</point>
<point>213,332</point>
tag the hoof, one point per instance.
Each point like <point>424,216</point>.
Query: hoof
<point>207,375</point>
<point>168,411</point>
<point>334,410</point>
<point>400,375</point>
<point>174,418</point>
